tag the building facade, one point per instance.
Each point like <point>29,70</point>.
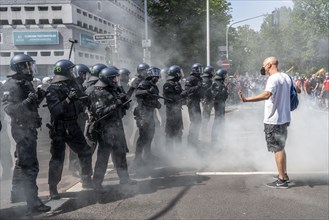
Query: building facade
<point>46,29</point>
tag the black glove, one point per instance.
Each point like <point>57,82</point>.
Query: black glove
<point>31,98</point>
<point>118,102</point>
<point>41,93</point>
<point>73,94</point>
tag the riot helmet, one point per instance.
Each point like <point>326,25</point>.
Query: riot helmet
<point>124,75</point>
<point>220,74</point>
<point>175,72</point>
<point>23,65</point>
<point>197,69</point>
<point>64,70</point>
<point>95,70</point>
<point>164,73</point>
<point>46,80</point>
<point>82,70</point>
<point>153,74</point>
<point>209,71</point>
<point>109,76</point>
<point>142,69</point>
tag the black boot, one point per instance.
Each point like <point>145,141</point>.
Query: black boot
<point>37,206</point>
<point>53,193</point>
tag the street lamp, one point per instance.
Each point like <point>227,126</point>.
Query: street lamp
<point>228,27</point>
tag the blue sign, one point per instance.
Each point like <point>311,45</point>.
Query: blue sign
<point>36,38</point>
<point>88,41</point>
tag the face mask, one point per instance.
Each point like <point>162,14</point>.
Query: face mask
<point>262,71</point>
<point>155,80</point>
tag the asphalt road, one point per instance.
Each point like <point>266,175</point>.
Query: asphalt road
<point>222,181</point>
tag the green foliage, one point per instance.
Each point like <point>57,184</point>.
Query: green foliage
<point>298,36</point>
<point>300,39</point>
<point>179,29</point>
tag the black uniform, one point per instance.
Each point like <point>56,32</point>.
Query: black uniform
<point>220,94</point>
<point>111,136</point>
<point>65,129</point>
<point>174,119</point>
<point>144,116</point>
<point>193,90</point>
<point>207,99</point>
<point>24,123</point>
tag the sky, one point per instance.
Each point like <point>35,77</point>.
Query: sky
<point>244,9</point>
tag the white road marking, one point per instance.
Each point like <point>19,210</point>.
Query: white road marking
<point>255,173</point>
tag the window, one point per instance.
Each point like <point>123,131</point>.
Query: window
<point>85,25</point>
<point>99,5</point>
<point>4,22</point>
<point>3,9</point>
<point>16,53</point>
<point>97,57</point>
<point>30,21</point>
<point>32,54</point>
<point>96,29</point>
<point>58,53</point>
<point>100,20</point>
<point>95,18</point>
<point>80,23</point>
<point>91,27</point>
<point>78,11</point>
<point>92,56</point>
<point>29,8</point>
<point>17,22</point>
<point>43,8</point>
<point>43,21</point>
<point>45,53</point>
<point>90,16</point>
<point>101,31</point>
<point>5,54</point>
<point>84,13</point>
<point>1,38</point>
<point>16,8</point>
<point>80,54</point>
<point>56,8</point>
<point>86,55</point>
<point>57,21</point>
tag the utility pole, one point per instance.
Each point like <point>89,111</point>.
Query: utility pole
<point>146,43</point>
<point>208,36</point>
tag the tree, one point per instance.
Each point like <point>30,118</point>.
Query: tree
<point>179,30</point>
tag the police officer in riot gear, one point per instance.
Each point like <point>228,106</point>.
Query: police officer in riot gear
<point>172,90</point>
<point>207,98</point>
<point>94,73</point>
<point>65,106</point>
<point>193,93</point>
<point>147,102</point>
<point>220,94</point>
<point>109,101</point>
<point>21,103</point>
<point>82,72</point>
<point>140,76</point>
<point>124,78</point>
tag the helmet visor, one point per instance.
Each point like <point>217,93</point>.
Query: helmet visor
<point>28,68</point>
<point>74,72</point>
<point>155,72</point>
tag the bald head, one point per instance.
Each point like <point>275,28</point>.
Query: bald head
<point>271,60</point>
